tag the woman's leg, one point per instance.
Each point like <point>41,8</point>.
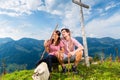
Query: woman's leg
<point>40,61</point>
<point>50,60</point>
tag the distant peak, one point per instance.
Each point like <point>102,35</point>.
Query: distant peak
<point>7,38</point>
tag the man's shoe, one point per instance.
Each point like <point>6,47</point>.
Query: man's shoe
<point>74,69</point>
<point>64,70</point>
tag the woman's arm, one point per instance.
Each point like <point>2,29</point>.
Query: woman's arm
<point>61,50</point>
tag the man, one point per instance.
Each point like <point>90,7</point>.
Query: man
<point>70,51</point>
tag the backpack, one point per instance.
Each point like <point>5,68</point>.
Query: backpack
<point>41,72</point>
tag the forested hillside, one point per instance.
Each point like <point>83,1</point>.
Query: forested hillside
<point>24,53</point>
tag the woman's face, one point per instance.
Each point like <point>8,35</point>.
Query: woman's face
<point>55,35</point>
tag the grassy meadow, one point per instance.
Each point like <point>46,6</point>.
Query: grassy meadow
<point>102,71</point>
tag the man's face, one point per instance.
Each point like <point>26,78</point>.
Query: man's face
<point>64,33</point>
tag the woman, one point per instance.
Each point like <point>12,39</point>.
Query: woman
<point>53,47</point>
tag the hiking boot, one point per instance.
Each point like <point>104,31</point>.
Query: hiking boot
<point>64,70</point>
<point>74,69</point>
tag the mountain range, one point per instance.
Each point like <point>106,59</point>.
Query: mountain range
<point>28,51</point>
<point>23,51</point>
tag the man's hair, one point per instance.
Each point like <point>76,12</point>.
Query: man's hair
<point>67,30</point>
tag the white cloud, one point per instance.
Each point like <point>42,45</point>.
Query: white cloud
<point>53,7</point>
<point>111,5</point>
<point>23,30</point>
<point>10,13</point>
<point>18,7</point>
<point>68,12</point>
<point>25,7</point>
<point>22,7</point>
<point>71,18</point>
<point>91,2</point>
<point>104,27</point>
<point>99,27</point>
<point>7,30</point>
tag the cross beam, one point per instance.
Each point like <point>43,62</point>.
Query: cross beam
<point>78,2</point>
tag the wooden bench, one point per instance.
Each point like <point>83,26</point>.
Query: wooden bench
<point>56,65</point>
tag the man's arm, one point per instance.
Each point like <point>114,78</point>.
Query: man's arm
<point>79,47</point>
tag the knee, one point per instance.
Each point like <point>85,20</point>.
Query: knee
<point>77,59</point>
<point>79,55</point>
<point>59,58</point>
<point>49,56</point>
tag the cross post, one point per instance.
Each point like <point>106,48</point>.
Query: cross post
<point>78,2</point>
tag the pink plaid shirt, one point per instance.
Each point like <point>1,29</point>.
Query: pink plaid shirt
<point>70,45</point>
<point>54,49</point>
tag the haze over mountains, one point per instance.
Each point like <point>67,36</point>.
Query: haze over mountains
<point>28,51</point>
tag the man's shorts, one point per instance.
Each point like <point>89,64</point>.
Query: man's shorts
<point>72,58</point>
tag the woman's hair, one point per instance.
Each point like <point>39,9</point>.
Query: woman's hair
<point>58,41</point>
<point>66,29</point>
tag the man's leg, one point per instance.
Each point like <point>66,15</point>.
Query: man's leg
<point>78,57</point>
<point>61,61</point>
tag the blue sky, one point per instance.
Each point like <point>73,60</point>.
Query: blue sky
<point>38,18</point>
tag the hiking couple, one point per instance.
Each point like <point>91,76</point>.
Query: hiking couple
<point>61,49</point>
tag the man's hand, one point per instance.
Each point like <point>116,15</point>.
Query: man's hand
<point>69,55</point>
<point>72,53</point>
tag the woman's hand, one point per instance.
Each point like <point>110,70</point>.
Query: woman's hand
<point>59,54</point>
<point>47,43</point>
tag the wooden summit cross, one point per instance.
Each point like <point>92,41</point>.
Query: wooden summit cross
<point>78,2</point>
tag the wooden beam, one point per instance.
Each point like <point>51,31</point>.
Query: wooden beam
<point>80,4</point>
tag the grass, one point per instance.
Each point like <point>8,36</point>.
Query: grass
<point>104,71</point>
<point>19,75</point>
<point>0,77</point>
